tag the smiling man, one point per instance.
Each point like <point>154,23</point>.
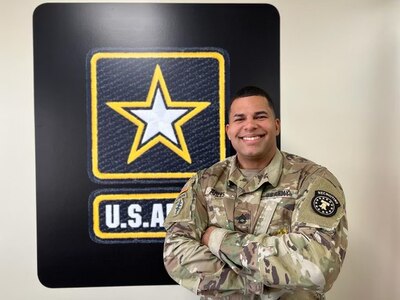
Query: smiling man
<point>253,128</point>
<point>262,224</point>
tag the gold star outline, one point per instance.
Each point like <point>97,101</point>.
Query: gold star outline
<point>181,149</point>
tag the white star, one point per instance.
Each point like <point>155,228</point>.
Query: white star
<point>159,119</point>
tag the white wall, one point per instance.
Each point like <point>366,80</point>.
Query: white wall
<point>339,106</point>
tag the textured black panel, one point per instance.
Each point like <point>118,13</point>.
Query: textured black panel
<point>64,34</point>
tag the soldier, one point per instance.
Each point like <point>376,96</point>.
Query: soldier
<point>262,224</point>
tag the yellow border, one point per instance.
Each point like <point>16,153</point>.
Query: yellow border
<point>118,197</point>
<point>144,175</point>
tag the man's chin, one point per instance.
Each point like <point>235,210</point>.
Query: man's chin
<point>252,156</point>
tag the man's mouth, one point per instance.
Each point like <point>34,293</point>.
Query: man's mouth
<point>251,138</point>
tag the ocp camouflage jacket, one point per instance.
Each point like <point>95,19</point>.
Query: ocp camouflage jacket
<point>281,235</point>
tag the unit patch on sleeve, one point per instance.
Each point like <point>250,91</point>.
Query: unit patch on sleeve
<point>325,204</point>
<point>178,206</point>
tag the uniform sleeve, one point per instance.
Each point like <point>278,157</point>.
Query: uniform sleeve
<point>190,263</point>
<point>309,256</point>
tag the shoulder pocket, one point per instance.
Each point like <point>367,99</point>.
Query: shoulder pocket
<point>322,206</point>
<point>182,208</point>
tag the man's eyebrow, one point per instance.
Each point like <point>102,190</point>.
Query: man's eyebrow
<point>257,113</point>
<point>263,112</point>
<point>238,115</point>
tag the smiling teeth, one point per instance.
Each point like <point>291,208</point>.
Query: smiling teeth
<point>251,138</point>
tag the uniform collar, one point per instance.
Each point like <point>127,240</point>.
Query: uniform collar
<point>274,169</point>
<point>270,173</point>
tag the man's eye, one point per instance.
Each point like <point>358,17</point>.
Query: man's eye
<point>261,117</point>
<point>238,119</point>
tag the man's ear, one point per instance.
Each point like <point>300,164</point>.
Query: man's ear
<point>227,131</point>
<point>278,126</point>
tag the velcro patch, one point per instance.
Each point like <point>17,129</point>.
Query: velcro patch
<point>179,205</point>
<point>181,209</point>
<point>324,204</point>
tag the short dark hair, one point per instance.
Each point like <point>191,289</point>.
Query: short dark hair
<point>252,90</point>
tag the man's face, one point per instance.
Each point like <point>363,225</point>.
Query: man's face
<point>252,130</point>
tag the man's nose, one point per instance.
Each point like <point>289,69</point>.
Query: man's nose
<point>250,124</point>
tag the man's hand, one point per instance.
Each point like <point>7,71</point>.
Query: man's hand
<point>206,235</point>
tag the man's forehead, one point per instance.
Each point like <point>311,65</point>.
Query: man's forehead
<point>250,104</point>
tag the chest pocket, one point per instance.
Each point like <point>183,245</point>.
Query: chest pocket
<point>220,208</point>
<point>275,215</point>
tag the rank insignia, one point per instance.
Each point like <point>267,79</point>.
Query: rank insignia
<point>241,219</point>
<point>155,115</point>
<point>324,204</point>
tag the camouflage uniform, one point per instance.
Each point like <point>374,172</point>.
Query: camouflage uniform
<point>281,235</point>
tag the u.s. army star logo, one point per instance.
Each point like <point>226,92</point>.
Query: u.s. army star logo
<point>155,115</point>
<point>159,119</point>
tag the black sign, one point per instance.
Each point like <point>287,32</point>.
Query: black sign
<point>130,101</point>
